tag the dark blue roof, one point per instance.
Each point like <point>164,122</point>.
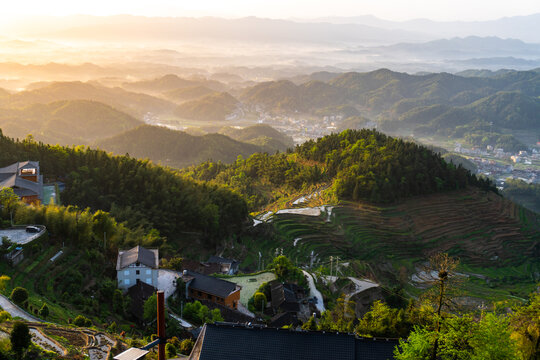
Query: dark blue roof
<point>227,342</point>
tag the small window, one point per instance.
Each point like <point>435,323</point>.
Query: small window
<point>149,281</point>
<point>137,272</point>
<point>126,272</point>
<point>126,281</point>
<point>148,272</point>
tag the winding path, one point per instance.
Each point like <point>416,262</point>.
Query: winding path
<point>313,292</point>
<point>16,311</point>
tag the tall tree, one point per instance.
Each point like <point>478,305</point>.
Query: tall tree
<point>20,338</point>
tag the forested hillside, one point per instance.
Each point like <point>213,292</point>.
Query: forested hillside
<point>133,190</point>
<point>66,122</point>
<point>263,135</point>
<point>212,107</point>
<point>176,148</point>
<point>359,165</point>
<point>434,104</point>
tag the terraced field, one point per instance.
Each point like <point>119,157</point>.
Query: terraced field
<point>483,229</point>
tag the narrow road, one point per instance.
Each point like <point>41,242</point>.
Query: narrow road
<point>313,292</point>
<point>15,311</point>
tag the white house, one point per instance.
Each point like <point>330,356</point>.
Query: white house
<point>137,264</point>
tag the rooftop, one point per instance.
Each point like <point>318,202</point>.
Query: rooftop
<point>140,255</point>
<point>210,285</point>
<point>233,342</point>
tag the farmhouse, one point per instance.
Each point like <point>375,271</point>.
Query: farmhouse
<point>227,266</point>
<point>25,180</point>
<point>225,341</point>
<point>203,287</point>
<point>137,264</point>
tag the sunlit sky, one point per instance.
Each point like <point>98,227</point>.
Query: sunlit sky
<point>386,9</point>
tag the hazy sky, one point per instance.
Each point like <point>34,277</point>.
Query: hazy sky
<point>386,9</point>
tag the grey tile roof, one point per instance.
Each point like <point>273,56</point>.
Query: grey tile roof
<point>9,177</point>
<point>138,254</point>
<point>220,260</point>
<point>211,285</point>
<point>226,342</point>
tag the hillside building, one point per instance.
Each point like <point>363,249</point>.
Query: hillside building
<point>203,287</point>
<point>227,266</point>
<point>25,180</point>
<point>137,264</point>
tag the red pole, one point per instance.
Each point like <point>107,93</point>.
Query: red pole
<point>161,324</point>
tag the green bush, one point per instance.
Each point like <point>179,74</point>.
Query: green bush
<point>186,346</point>
<point>4,316</point>
<point>19,295</point>
<point>82,321</point>
<point>170,349</point>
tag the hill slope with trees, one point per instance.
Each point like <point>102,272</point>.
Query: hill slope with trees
<point>66,122</point>
<point>176,148</point>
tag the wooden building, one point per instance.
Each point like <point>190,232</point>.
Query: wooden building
<point>25,180</point>
<point>203,287</point>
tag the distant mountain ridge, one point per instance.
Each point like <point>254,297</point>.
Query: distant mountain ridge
<point>132,103</point>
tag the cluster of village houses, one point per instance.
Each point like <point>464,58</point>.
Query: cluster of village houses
<point>138,272</point>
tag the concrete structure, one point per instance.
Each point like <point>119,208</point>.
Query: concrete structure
<point>137,264</point>
<point>25,180</point>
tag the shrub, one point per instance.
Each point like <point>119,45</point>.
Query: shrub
<point>81,321</point>
<point>259,301</point>
<point>186,346</point>
<point>170,349</point>
<point>19,296</point>
<point>4,316</point>
<point>44,311</point>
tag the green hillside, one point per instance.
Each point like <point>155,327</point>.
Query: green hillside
<point>144,195</point>
<point>262,135</point>
<point>352,165</point>
<point>496,240</point>
<point>434,104</point>
<point>176,148</point>
<point>66,122</point>
<point>215,106</point>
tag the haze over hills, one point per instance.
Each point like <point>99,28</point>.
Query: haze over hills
<point>66,122</point>
<point>135,104</point>
<point>516,27</point>
<point>212,107</point>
